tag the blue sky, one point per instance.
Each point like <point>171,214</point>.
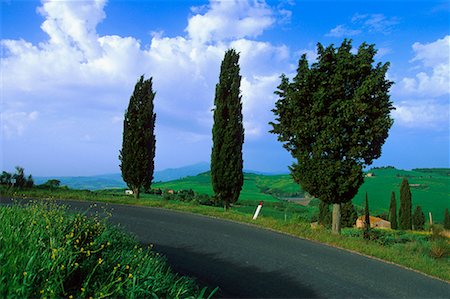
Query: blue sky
<point>69,67</point>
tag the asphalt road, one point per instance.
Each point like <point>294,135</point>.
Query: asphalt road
<point>246,261</point>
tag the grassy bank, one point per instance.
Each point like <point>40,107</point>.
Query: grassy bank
<point>425,254</point>
<point>46,252</point>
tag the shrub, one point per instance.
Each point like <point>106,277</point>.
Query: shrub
<point>439,248</point>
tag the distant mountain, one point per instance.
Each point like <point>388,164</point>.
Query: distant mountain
<point>109,181</point>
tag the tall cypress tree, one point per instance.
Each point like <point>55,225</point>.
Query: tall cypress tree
<point>228,133</point>
<point>367,219</point>
<point>418,218</point>
<point>138,144</point>
<point>404,214</point>
<point>393,211</point>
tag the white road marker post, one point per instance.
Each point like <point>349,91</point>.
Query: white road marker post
<point>258,209</point>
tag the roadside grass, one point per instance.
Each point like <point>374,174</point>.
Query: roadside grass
<point>47,252</point>
<point>414,252</point>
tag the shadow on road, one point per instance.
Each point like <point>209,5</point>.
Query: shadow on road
<point>212,271</point>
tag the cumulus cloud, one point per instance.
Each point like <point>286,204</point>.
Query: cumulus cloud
<point>79,75</point>
<point>433,60</point>
<point>225,20</point>
<point>424,97</point>
<point>421,115</point>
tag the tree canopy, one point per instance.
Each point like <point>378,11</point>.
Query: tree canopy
<point>334,118</point>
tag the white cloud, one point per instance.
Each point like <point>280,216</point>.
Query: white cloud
<point>230,19</point>
<point>423,99</point>
<point>79,75</point>
<point>342,30</point>
<point>422,115</point>
<point>372,23</point>
<point>375,22</point>
<point>433,78</point>
<point>14,123</point>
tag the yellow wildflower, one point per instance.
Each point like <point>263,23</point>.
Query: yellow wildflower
<point>119,278</point>
<point>82,289</point>
<point>41,291</point>
<point>25,273</point>
<point>130,275</point>
<point>63,267</point>
<point>127,267</point>
<point>88,253</point>
<point>70,297</point>
<point>100,261</point>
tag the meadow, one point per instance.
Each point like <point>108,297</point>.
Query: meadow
<point>430,189</point>
<point>47,252</point>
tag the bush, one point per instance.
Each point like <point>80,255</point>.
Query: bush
<point>46,252</point>
<point>439,249</point>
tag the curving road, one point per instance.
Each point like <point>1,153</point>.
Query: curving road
<point>246,261</point>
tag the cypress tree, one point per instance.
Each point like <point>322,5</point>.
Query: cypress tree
<point>138,144</point>
<point>393,211</point>
<point>348,214</point>
<point>367,219</point>
<point>418,219</point>
<point>227,176</point>
<point>404,214</point>
<point>446,219</point>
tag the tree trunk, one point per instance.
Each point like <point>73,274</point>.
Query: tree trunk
<point>336,226</point>
<point>136,192</point>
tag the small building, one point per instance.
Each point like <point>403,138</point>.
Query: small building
<point>370,174</point>
<point>170,191</point>
<point>129,192</point>
<point>375,222</point>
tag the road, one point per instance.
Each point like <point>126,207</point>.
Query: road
<point>248,262</point>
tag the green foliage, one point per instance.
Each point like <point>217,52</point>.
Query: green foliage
<point>404,214</point>
<point>228,133</point>
<point>17,179</point>
<point>418,219</point>
<point>52,183</point>
<point>367,219</point>
<point>334,118</point>
<point>446,219</point>
<point>393,211</point>
<point>46,252</point>
<point>348,214</point>
<point>138,145</point>
<point>324,214</point>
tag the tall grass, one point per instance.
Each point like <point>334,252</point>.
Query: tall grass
<point>46,252</point>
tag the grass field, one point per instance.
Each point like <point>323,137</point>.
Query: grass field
<point>47,252</point>
<point>430,190</point>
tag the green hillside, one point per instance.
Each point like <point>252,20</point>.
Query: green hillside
<point>430,189</point>
<point>256,187</point>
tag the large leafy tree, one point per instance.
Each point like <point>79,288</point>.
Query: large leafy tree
<point>405,211</point>
<point>228,133</point>
<point>138,145</point>
<point>334,118</point>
